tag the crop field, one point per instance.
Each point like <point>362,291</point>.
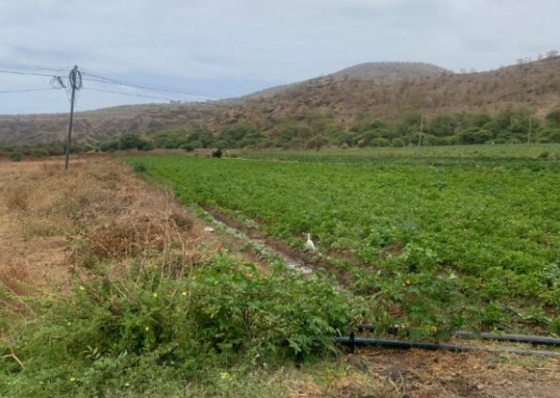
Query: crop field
<point>433,242</point>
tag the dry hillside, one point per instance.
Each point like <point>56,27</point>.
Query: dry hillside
<point>382,90</point>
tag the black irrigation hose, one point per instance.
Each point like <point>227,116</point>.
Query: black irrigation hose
<point>514,338</point>
<point>365,342</point>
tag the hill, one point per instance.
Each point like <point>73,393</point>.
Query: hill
<point>383,91</point>
<point>379,72</point>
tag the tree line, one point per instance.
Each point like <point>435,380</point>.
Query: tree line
<point>315,130</point>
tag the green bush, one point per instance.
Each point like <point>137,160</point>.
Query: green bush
<point>556,326</point>
<point>149,326</point>
<point>397,142</point>
<point>40,152</point>
<point>380,142</point>
<point>188,147</point>
<point>16,156</point>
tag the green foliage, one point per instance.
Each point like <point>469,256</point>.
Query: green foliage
<point>487,244</point>
<point>132,141</point>
<point>40,152</point>
<point>553,118</point>
<point>314,130</point>
<point>16,155</point>
<point>149,328</point>
<point>397,142</point>
<point>474,136</point>
<point>109,146</point>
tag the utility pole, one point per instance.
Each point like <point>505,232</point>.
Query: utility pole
<point>420,134</point>
<point>75,82</point>
<point>530,129</point>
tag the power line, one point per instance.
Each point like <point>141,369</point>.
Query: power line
<point>31,67</point>
<point>24,73</point>
<point>131,94</point>
<point>106,80</point>
<point>151,96</point>
<point>57,82</point>
<point>25,90</point>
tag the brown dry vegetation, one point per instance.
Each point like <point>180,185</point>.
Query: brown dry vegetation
<point>56,225</point>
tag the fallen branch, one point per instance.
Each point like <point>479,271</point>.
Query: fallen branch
<point>15,358</point>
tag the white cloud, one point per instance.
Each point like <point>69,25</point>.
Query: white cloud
<point>256,43</point>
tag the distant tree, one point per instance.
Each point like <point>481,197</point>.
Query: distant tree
<point>380,142</point>
<point>188,147</point>
<point>549,135</point>
<point>553,118</point>
<point>397,142</point>
<point>474,136</point>
<point>315,143</point>
<point>442,125</point>
<point>552,53</point>
<point>145,145</point>
<point>109,146</point>
<point>129,141</point>
<point>16,155</point>
<point>40,152</point>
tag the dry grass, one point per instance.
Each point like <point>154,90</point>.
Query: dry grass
<point>54,225</point>
<point>16,197</point>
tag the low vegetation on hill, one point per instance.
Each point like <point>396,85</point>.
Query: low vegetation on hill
<point>509,126</point>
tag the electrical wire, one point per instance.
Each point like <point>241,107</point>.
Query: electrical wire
<point>58,82</point>
<point>24,73</point>
<point>154,97</point>
<point>131,94</point>
<point>24,90</point>
<point>31,67</point>
<point>106,80</point>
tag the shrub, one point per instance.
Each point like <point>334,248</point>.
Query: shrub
<point>556,326</point>
<point>16,156</point>
<point>151,325</point>
<point>40,153</point>
<point>553,118</point>
<point>188,147</point>
<point>380,142</point>
<point>397,142</point>
<point>217,153</point>
<point>139,167</point>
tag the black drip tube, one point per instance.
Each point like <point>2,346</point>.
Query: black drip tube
<point>514,338</point>
<point>365,342</point>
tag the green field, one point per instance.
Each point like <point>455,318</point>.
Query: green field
<point>437,239</point>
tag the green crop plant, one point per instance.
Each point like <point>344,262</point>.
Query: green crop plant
<point>441,240</point>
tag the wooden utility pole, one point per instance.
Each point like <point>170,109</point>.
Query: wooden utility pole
<point>530,129</point>
<point>420,134</point>
<point>75,81</point>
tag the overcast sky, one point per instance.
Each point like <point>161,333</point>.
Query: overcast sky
<point>225,48</point>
